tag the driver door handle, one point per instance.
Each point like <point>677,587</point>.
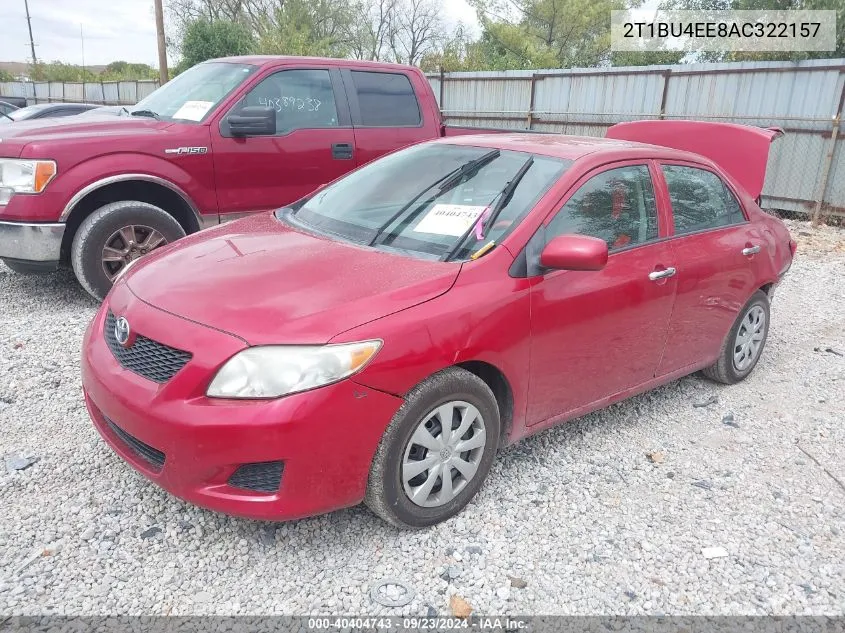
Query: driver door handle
<point>750,250</point>
<point>661,274</point>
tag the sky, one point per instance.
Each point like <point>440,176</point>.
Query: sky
<point>112,30</point>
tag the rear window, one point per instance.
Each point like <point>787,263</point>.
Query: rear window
<point>700,200</point>
<point>386,99</point>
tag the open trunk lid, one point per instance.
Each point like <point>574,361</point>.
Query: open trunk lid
<point>741,150</point>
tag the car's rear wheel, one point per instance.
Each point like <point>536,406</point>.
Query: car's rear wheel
<point>113,237</point>
<point>436,452</point>
<point>745,342</point>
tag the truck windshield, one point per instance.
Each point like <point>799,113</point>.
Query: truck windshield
<point>195,93</point>
<point>435,200</point>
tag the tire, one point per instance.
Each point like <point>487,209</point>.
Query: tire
<point>100,229</point>
<point>387,494</point>
<point>727,370</point>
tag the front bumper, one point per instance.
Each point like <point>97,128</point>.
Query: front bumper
<point>325,438</point>
<point>31,242</point>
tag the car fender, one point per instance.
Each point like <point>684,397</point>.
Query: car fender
<point>484,318</point>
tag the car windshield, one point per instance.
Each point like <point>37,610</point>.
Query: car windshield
<point>435,200</point>
<point>195,93</point>
<point>21,113</point>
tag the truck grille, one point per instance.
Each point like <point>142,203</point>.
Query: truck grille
<point>152,456</point>
<point>148,358</point>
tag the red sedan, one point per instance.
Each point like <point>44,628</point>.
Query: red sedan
<point>380,339</point>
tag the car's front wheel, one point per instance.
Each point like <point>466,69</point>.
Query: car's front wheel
<point>436,452</point>
<point>113,237</point>
<point>745,342</point>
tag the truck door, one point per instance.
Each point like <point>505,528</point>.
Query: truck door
<point>314,142</point>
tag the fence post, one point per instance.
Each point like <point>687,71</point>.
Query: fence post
<point>666,75</point>
<point>442,82</point>
<point>531,99</point>
<point>828,160</point>
<point>834,134</point>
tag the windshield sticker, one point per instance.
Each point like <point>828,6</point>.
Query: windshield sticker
<point>449,219</point>
<point>193,110</point>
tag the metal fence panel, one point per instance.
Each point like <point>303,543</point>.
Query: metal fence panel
<point>106,93</point>
<point>145,89</point>
<point>806,168</point>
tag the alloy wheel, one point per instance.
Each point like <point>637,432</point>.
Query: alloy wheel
<point>128,244</point>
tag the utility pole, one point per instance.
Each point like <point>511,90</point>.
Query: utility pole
<point>82,38</point>
<point>31,41</point>
<point>162,49</point>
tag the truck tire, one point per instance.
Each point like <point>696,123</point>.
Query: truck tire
<point>114,235</point>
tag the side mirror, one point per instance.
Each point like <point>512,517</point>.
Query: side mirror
<point>253,121</point>
<point>574,252</point>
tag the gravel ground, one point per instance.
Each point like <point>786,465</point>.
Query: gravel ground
<point>739,509</point>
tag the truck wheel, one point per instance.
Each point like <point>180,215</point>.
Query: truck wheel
<point>113,236</point>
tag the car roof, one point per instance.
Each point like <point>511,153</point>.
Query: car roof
<point>571,147</point>
<point>36,107</point>
<point>265,60</point>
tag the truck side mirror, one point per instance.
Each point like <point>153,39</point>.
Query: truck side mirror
<point>252,121</point>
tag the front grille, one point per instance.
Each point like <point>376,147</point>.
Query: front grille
<point>148,358</point>
<point>260,476</point>
<point>152,456</point>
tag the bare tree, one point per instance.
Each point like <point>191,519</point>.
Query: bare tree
<point>418,30</point>
<point>373,31</point>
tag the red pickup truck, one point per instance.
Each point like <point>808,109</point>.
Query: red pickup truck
<point>226,138</point>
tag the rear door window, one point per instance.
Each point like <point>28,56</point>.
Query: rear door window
<point>700,200</point>
<point>386,99</point>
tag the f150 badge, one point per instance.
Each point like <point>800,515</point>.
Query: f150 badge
<point>186,150</point>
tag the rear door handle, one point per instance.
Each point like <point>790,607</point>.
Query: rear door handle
<point>342,151</point>
<point>661,274</point>
<point>750,250</point>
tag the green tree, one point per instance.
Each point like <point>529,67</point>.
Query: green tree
<point>6,76</point>
<point>59,71</point>
<point>205,39</point>
<point>322,28</point>
<point>764,5</point>
<point>544,33</point>
<point>126,71</point>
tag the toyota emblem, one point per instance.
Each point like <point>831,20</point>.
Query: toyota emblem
<point>121,331</point>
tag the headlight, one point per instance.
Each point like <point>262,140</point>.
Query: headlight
<point>24,176</point>
<point>278,370</point>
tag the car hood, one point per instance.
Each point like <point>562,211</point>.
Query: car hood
<point>268,283</point>
<point>14,136</point>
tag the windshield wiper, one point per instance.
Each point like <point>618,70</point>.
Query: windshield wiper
<point>504,198</point>
<point>446,182</point>
<point>147,113</point>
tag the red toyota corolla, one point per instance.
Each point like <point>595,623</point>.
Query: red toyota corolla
<point>380,339</point>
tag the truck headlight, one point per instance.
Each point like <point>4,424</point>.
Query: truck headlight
<point>24,176</point>
<point>272,371</point>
